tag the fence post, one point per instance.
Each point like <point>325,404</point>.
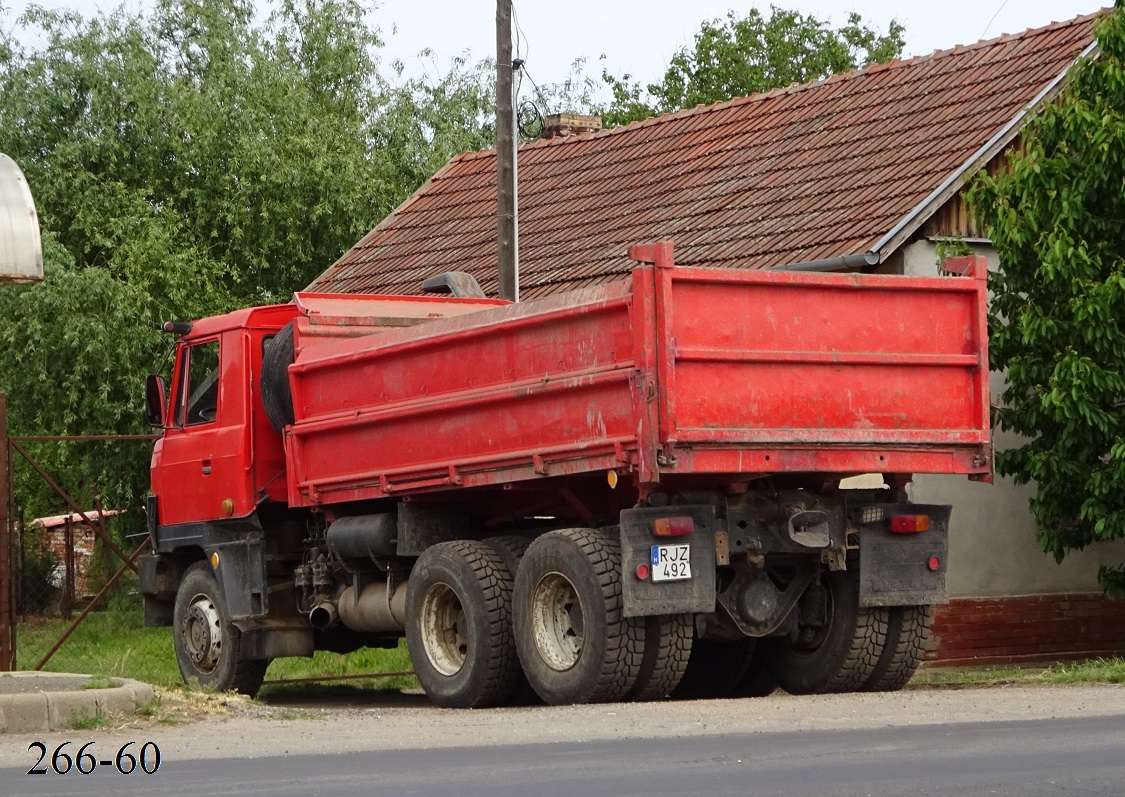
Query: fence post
<point>7,581</point>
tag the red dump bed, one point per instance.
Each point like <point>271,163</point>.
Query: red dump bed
<point>674,371</point>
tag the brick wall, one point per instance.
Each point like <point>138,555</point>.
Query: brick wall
<point>1031,629</point>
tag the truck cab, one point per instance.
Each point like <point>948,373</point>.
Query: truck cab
<point>219,458</point>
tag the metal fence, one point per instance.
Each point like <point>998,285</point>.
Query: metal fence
<point>68,597</point>
<point>68,588</point>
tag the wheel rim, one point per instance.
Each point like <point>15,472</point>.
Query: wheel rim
<point>556,616</point>
<point>444,636</point>
<point>203,634</point>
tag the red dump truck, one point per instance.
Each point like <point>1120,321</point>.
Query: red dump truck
<point>620,493</point>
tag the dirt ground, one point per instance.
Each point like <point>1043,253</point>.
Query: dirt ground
<point>190,727</point>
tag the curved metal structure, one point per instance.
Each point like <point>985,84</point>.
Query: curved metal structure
<point>21,250</point>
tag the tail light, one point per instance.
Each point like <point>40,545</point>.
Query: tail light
<point>908,524</point>
<point>673,526</point>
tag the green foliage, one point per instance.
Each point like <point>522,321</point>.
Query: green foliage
<point>206,158</point>
<point>1058,318</point>
<point>186,163</point>
<point>37,588</point>
<point>750,54</point>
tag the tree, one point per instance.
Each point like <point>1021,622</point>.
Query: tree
<point>183,164</point>
<point>750,54</point>
<point>1058,317</point>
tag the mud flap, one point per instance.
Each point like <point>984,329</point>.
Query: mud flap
<point>904,569</point>
<point>643,596</point>
<point>242,576</point>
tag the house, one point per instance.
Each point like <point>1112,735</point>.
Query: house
<point>69,541</point>
<point>864,170</point>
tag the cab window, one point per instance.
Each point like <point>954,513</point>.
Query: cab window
<point>199,402</point>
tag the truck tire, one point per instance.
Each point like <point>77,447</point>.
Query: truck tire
<point>205,640</point>
<point>758,681</point>
<point>459,625</point>
<point>667,651</point>
<point>277,398</point>
<point>511,548</point>
<point>574,642</point>
<point>843,655</point>
<point>908,637</point>
<point>714,669</point>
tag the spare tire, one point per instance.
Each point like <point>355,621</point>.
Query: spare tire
<point>276,395</point>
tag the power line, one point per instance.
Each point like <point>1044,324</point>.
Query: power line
<point>994,16</point>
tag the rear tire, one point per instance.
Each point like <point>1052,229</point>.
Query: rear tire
<point>666,656</point>
<point>714,669</point>
<point>206,642</point>
<point>840,657</point>
<point>908,637</point>
<point>574,642</point>
<point>758,680</point>
<point>459,625</point>
<point>511,548</point>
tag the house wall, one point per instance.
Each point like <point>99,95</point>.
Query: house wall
<point>992,547</point>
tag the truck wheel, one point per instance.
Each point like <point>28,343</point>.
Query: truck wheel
<point>574,642</point>
<point>206,642</point>
<point>459,625</point>
<point>274,382</point>
<point>714,669</point>
<point>511,548</point>
<point>758,680</point>
<point>908,636</point>
<point>840,657</point>
<point>666,653</point>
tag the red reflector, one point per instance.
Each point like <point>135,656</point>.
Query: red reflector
<point>673,526</point>
<point>934,563</point>
<point>642,572</point>
<point>909,523</point>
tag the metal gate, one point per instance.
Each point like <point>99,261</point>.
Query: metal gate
<point>14,551</point>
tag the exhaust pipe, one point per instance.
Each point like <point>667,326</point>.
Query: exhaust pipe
<point>324,616</point>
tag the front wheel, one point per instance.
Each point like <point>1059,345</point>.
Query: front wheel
<point>206,642</point>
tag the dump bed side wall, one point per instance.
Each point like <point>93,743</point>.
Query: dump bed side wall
<point>673,371</point>
<point>834,372</point>
<point>499,395</point>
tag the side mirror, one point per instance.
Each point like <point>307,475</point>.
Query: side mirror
<point>155,401</point>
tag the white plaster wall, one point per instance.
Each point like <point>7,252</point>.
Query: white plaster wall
<point>992,546</point>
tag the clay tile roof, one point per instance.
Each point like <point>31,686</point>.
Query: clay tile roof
<point>806,172</point>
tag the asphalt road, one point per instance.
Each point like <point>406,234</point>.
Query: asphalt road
<point>1034,758</point>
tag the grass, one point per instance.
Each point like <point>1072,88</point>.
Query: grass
<point>101,682</point>
<point>1094,671</point>
<point>88,723</point>
<point>115,644</point>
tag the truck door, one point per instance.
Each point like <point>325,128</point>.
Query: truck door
<point>201,464</point>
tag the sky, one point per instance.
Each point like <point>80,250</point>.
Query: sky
<point>639,36</point>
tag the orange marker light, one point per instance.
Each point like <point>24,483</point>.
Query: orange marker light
<point>673,526</point>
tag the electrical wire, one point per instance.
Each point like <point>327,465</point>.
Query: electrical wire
<point>994,16</point>
<point>521,37</point>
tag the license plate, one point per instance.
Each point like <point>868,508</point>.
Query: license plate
<point>671,562</point>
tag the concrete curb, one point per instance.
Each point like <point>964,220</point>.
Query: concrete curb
<point>50,701</point>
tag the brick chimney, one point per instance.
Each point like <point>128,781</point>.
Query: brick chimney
<point>569,124</point>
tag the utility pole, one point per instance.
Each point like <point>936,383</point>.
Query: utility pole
<point>507,240</point>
